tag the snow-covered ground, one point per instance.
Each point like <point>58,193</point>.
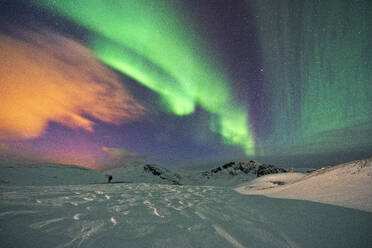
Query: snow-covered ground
<point>348,185</point>
<point>90,213</point>
<point>154,215</point>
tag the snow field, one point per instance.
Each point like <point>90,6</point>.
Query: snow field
<point>153,215</point>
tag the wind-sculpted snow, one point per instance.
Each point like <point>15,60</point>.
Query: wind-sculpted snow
<point>153,215</point>
<point>348,185</point>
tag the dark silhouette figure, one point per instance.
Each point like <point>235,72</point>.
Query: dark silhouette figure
<point>109,178</point>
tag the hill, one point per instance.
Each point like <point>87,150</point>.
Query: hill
<point>230,174</point>
<point>47,174</point>
<point>347,185</point>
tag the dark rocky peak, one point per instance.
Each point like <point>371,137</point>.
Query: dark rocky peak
<point>163,174</point>
<point>245,167</point>
<point>154,170</point>
<point>266,169</point>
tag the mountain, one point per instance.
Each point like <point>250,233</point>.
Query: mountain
<point>348,185</point>
<point>144,173</point>
<point>229,174</point>
<point>32,173</point>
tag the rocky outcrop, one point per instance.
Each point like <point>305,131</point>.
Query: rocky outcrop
<point>229,174</point>
<point>163,174</point>
<point>152,169</point>
<point>250,167</point>
<point>269,169</point>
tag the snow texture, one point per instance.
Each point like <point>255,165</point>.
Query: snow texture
<point>91,213</point>
<point>155,215</point>
<point>348,185</point>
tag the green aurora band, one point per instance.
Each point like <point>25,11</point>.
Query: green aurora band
<point>149,42</point>
<point>317,57</point>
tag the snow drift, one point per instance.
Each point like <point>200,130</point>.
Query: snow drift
<point>348,185</point>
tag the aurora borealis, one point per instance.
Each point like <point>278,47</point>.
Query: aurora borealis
<point>152,47</point>
<point>319,60</point>
<point>178,82</point>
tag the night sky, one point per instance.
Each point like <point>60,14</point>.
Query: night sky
<point>100,83</point>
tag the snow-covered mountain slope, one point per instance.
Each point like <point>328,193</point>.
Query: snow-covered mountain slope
<point>270,181</point>
<point>230,174</point>
<point>154,215</point>
<point>47,174</point>
<point>348,185</point>
<point>144,173</point>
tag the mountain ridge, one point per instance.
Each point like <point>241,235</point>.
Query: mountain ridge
<point>228,174</point>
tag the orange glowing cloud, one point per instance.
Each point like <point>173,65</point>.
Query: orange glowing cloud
<point>45,77</point>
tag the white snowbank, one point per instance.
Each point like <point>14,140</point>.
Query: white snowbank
<point>270,181</point>
<point>348,185</point>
